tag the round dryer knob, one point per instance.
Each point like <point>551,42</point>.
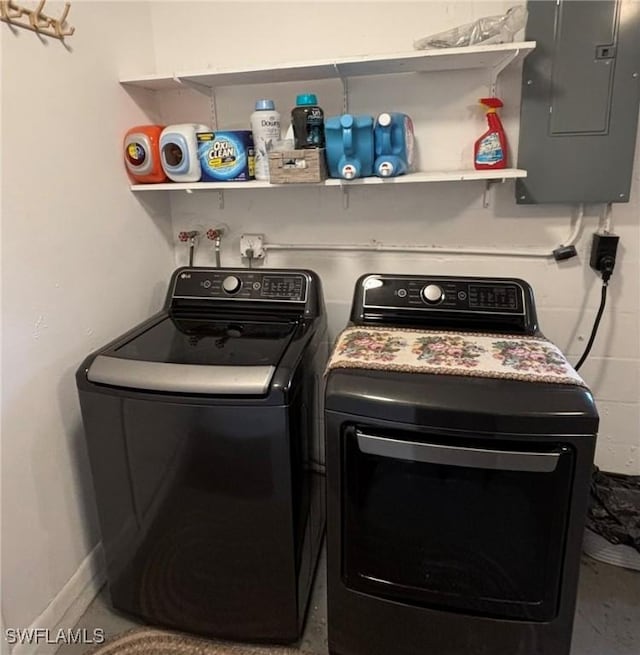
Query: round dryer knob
<point>231,284</point>
<point>432,294</point>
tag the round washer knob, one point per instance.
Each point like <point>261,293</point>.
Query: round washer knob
<point>231,284</point>
<point>432,294</point>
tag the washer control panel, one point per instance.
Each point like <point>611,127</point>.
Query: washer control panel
<point>226,284</point>
<point>470,295</point>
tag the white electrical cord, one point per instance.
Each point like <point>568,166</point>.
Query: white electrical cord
<point>577,227</point>
<point>605,221</point>
<point>380,247</point>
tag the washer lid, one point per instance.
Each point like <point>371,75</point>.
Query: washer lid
<point>181,378</point>
<point>196,355</point>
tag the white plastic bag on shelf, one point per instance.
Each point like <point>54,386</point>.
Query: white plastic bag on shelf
<point>491,29</point>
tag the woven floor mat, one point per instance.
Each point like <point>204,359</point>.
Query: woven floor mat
<point>159,642</point>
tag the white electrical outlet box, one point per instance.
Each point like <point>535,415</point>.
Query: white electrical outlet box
<point>252,242</point>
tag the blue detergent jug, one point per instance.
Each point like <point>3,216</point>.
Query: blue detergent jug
<point>394,144</point>
<point>349,143</point>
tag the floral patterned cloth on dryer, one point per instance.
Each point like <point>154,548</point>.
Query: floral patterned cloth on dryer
<point>533,359</point>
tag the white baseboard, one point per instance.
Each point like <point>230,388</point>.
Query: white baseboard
<point>65,610</point>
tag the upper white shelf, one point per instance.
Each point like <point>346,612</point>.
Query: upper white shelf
<point>434,176</point>
<point>423,61</point>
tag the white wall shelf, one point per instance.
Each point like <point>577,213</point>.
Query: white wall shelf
<point>412,178</point>
<point>490,57</point>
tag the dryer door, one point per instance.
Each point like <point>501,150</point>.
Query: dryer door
<point>470,523</point>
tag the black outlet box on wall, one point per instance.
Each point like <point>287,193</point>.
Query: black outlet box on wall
<point>603,253</point>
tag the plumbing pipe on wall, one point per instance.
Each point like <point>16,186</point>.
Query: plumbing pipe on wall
<point>572,237</point>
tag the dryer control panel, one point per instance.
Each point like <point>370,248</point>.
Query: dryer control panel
<point>443,294</point>
<point>503,304</point>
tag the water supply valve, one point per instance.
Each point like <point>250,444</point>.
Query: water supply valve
<point>190,237</point>
<point>215,234</point>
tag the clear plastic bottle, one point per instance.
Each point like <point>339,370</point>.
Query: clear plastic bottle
<point>265,126</point>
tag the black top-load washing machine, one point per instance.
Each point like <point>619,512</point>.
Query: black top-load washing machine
<point>456,502</point>
<point>202,426</point>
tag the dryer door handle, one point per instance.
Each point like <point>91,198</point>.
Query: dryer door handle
<point>431,453</point>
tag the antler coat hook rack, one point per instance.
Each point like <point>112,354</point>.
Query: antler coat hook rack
<point>34,20</point>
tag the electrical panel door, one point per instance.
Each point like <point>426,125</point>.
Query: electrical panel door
<point>580,98</point>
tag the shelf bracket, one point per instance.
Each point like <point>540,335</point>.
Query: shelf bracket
<point>498,68</point>
<point>200,88</point>
<point>345,89</point>
<point>213,109</point>
<point>345,196</point>
<point>485,195</point>
<point>204,90</point>
<point>487,191</point>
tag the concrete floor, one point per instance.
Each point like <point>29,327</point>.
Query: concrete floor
<point>607,618</point>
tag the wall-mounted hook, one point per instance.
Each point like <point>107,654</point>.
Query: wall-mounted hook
<point>35,20</point>
<point>9,11</point>
<point>38,20</point>
<point>59,25</point>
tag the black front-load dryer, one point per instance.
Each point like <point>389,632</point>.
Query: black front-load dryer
<point>202,427</point>
<point>456,501</point>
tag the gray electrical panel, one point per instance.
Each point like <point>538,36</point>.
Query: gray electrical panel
<point>580,99</point>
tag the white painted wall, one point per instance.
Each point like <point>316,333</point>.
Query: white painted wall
<point>3,646</point>
<point>82,260</point>
<point>194,36</point>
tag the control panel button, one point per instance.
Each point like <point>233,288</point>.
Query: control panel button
<point>402,293</point>
<point>231,284</point>
<point>432,294</point>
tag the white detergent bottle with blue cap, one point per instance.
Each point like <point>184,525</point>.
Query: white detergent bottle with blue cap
<point>394,144</point>
<point>265,127</point>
